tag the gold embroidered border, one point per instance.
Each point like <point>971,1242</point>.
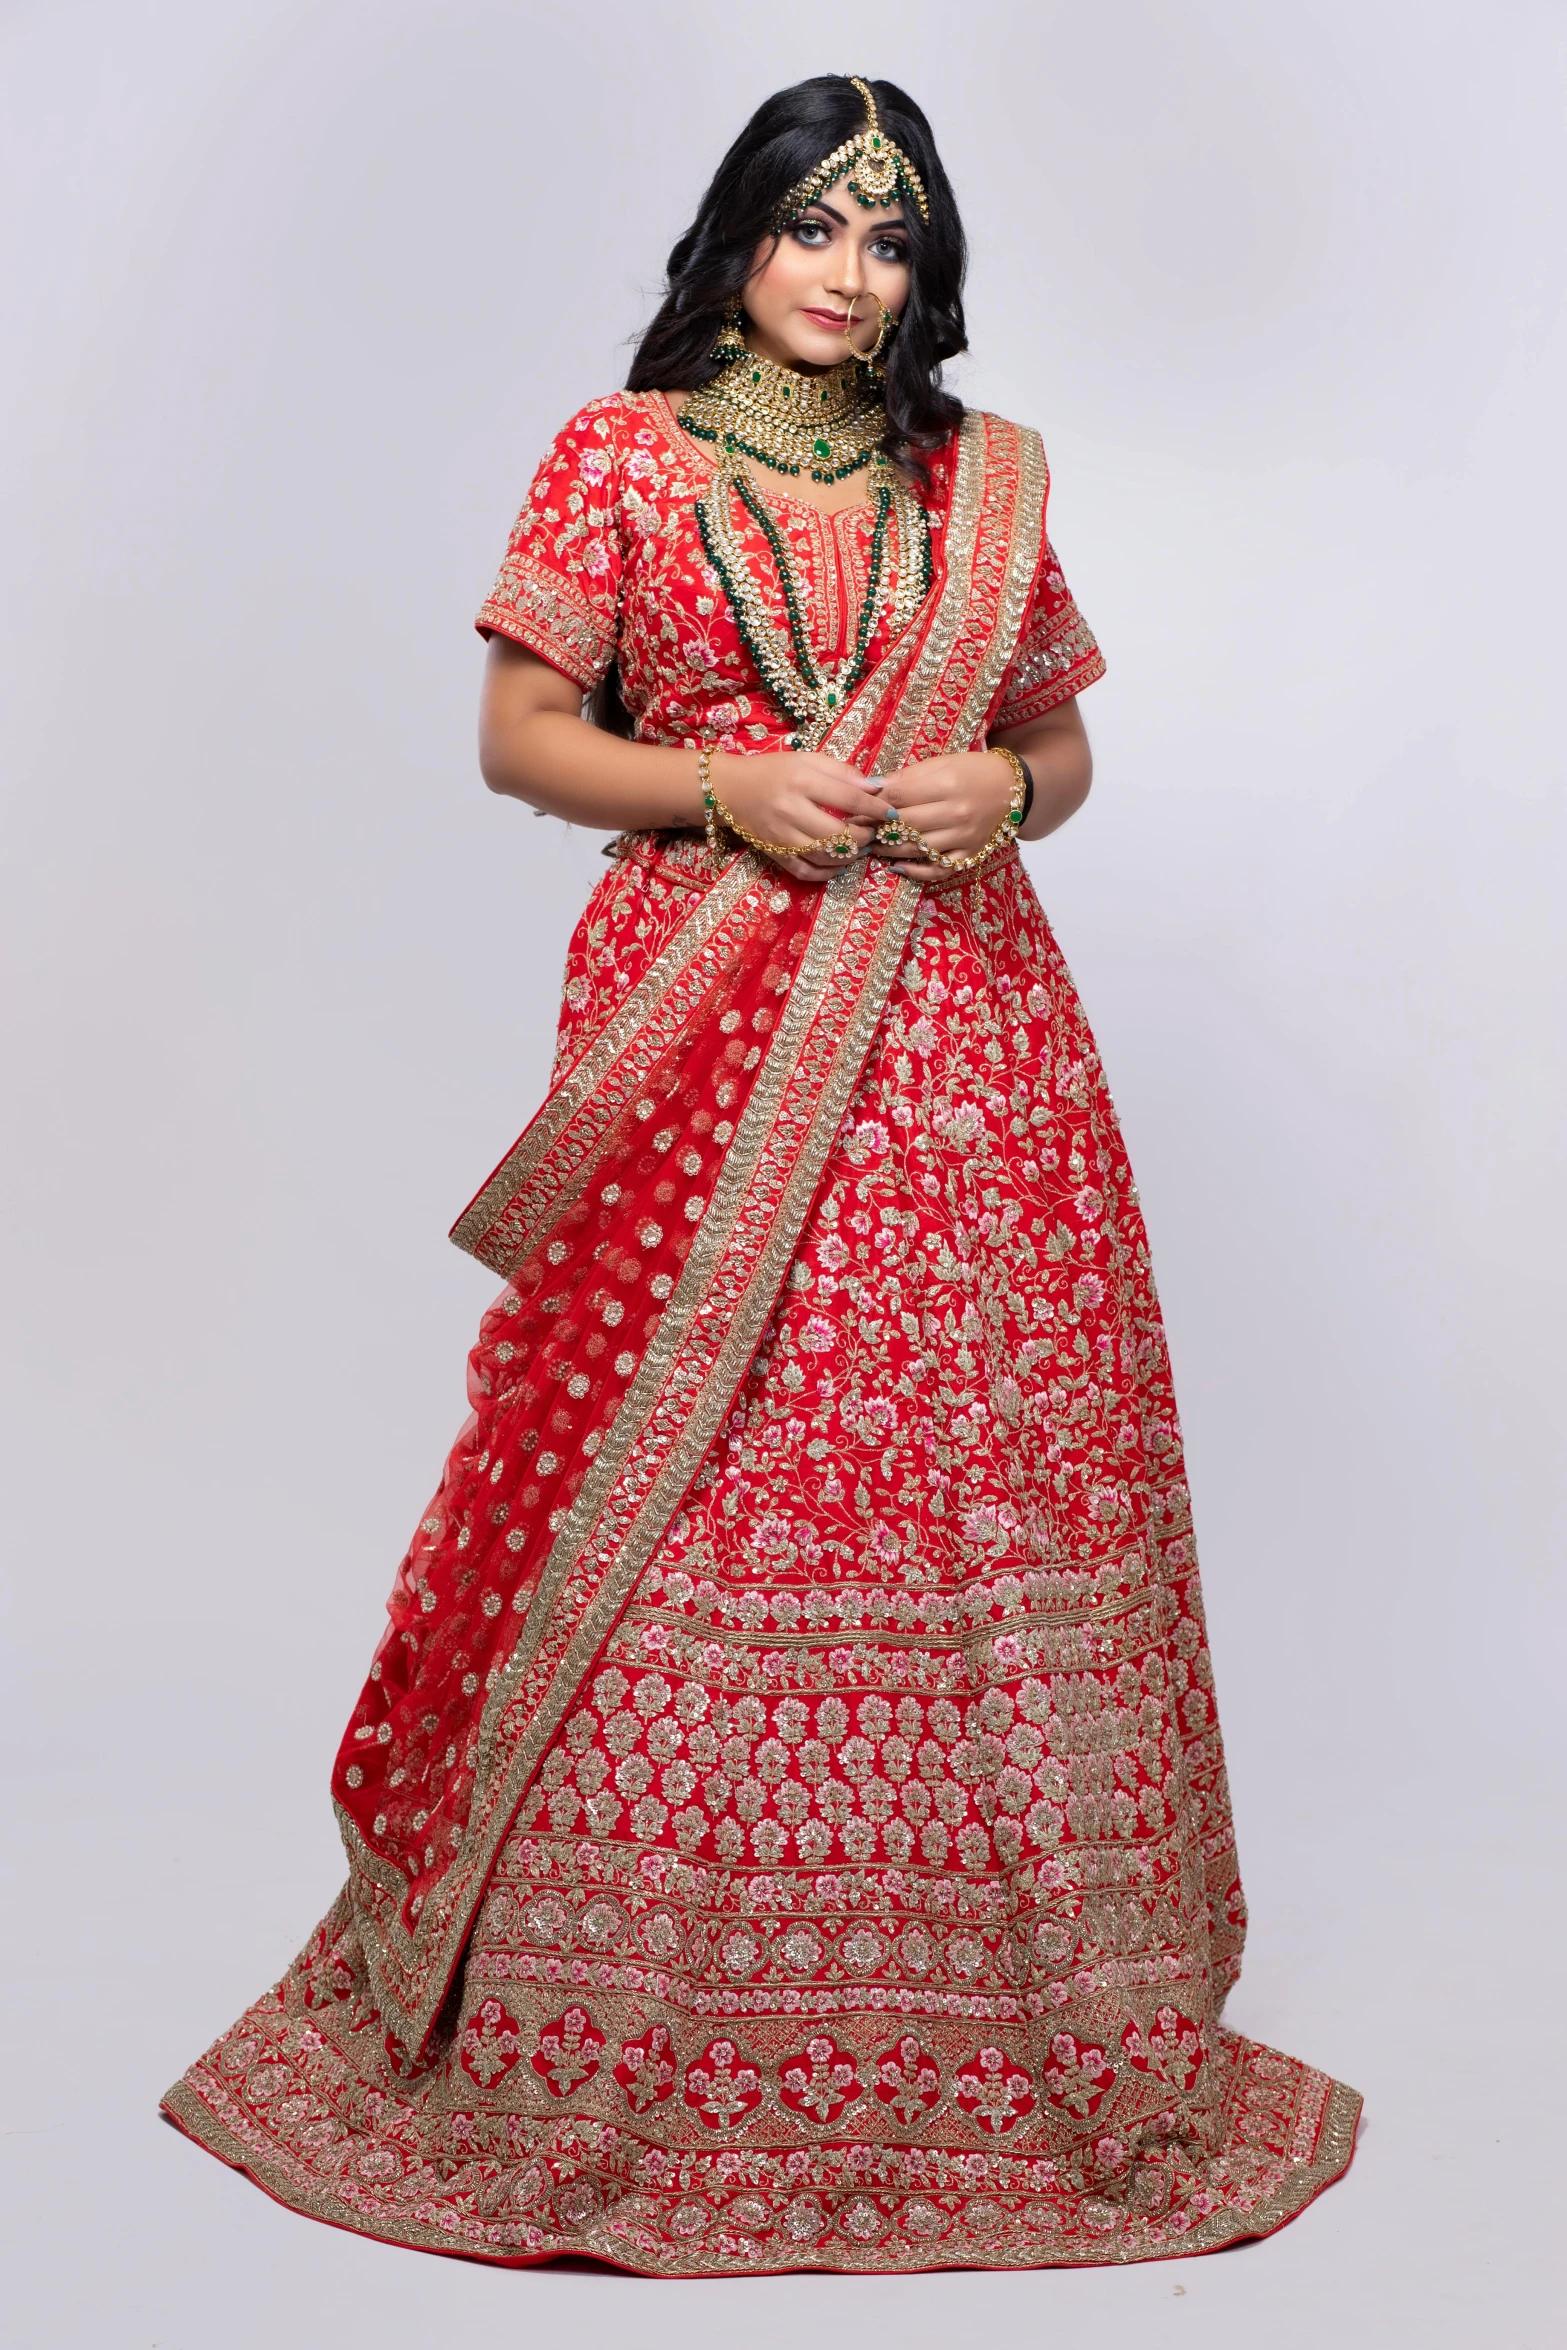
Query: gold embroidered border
<point>971,1642</point>
<point>983,443</point>
<point>1025,543</point>
<point>533,605</point>
<point>548,1166</point>
<point>1229,2224</point>
<point>998,466</point>
<point>951,614</point>
<point>744,1246</point>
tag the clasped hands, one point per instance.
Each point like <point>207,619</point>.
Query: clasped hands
<point>951,804</point>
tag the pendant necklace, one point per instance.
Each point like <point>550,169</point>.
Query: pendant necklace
<point>829,426</point>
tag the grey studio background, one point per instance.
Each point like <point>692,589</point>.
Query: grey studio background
<point>294,297</point>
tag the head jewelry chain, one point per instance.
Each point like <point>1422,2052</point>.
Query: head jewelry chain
<point>872,166</point>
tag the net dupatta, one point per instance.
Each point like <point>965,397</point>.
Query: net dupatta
<point>673,1165</point>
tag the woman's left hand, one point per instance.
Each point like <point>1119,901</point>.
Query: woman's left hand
<point>954,804</point>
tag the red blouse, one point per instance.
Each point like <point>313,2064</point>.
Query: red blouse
<point>605,564</point>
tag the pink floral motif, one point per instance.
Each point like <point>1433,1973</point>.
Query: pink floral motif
<point>491,2044</point>
<point>1173,2047</point>
<point>331,1979</point>
<point>993,2092</point>
<point>646,2070</point>
<point>568,2052</point>
<point>1079,2076</point>
<point>908,2079</point>
<point>820,2081</point>
<point>720,2088</point>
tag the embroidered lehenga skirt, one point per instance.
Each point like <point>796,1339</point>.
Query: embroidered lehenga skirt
<point>872,1905</point>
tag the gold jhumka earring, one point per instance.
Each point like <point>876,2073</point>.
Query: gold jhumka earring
<point>731,336</point>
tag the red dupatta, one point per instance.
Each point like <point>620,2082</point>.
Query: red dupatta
<point>646,1220</point>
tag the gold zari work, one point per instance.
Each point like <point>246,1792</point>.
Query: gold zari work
<point>829,1863</point>
<point>872,1904</point>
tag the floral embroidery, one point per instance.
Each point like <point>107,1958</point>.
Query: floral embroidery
<point>1172,2047</point>
<point>720,2088</point>
<point>1056,655</point>
<point>894,1799</point>
<point>820,2081</point>
<point>491,2044</point>
<point>605,564</point>
<point>1078,2077</point>
<point>646,2070</point>
<point>908,2079</point>
<point>918,1690</point>
<point>997,2093</point>
<point>568,2052</point>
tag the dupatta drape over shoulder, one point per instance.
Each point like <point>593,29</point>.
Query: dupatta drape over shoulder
<point>787,1814</point>
<point>646,1220</point>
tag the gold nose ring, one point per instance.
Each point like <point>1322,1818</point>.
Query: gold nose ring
<point>888,322</point>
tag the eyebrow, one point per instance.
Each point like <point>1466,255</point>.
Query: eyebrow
<point>833,213</point>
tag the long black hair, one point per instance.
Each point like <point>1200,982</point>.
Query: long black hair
<point>786,138</point>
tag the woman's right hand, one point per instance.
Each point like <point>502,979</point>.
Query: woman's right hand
<point>789,796</point>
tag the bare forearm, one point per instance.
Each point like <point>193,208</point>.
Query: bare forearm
<point>1059,759</point>
<point>534,746</point>
<point>557,764</point>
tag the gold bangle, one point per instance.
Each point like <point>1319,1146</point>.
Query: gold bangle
<point>1019,779</point>
<point>1005,831</point>
<point>704,776</point>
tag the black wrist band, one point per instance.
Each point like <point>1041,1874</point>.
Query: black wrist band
<point>1028,792</point>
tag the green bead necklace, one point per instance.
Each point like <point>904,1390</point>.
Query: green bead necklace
<point>813,692</point>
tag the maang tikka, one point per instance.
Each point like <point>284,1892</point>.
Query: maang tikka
<point>874,169</point>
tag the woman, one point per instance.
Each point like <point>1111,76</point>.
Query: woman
<point>786,1815</point>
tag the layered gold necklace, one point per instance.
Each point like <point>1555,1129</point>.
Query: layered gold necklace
<point>827,426</point>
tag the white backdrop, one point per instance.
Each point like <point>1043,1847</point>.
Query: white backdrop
<point>294,295</point>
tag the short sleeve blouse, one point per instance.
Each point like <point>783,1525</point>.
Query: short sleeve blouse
<point>558,591</point>
<point>605,563</point>
<point>1056,653</point>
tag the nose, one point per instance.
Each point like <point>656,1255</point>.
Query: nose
<point>850,272</point>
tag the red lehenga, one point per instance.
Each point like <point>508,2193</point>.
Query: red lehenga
<point>786,1816</point>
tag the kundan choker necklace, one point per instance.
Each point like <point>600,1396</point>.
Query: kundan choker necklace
<point>827,426</point>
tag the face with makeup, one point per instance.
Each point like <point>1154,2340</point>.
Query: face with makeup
<point>820,274</point>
